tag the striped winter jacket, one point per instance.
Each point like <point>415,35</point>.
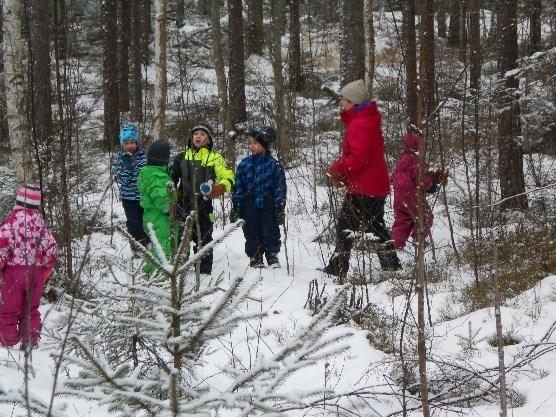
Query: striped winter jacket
<point>260,177</point>
<point>126,172</point>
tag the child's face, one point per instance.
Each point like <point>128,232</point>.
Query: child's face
<point>346,104</point>
<point>130,146</point>
<point>200,139</point>
<point>255,147</point>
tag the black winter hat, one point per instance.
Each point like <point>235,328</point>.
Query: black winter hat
<point>205,127</point>
<point>158,152</point>
<point>265,135</point>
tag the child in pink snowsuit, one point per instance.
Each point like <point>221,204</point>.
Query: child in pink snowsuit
<point>27,258</point>
<point>405,182</point>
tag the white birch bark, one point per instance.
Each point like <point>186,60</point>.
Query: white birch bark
<point>16,101</point>
<point>370,36</point>
<point>160,83</point>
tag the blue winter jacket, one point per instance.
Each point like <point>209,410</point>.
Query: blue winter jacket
<point>260,177</point>
<point>126,171</point>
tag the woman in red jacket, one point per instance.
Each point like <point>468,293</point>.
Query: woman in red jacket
<point>362,169</point>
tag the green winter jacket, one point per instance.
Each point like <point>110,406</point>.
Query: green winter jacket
<point>152,183</point>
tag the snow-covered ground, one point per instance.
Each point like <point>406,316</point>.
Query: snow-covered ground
<point>462,340</point>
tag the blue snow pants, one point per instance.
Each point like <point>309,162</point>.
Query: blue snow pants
<point>261,231</point>
<point>134,220</point>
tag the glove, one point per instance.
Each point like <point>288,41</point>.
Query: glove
<point>217,191</point>
<point>280,214</point>
<point>336,177</point>
<point>235,213</point>
<point>205,188</point>
<point>439,177</point>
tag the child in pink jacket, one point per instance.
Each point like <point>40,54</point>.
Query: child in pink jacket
<point>27,258</point>
<point>405,180</point>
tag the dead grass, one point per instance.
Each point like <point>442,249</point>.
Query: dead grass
<point>524,258</point>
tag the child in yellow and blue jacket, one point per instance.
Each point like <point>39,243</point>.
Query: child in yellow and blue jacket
<point>201,175</point>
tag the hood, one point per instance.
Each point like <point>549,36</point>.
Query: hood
<point>411,142</point>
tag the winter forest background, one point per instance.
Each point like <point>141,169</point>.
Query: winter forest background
<point>467,328</point>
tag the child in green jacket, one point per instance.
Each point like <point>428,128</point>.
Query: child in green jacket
<point>152,184</point>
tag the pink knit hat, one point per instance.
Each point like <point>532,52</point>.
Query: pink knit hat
<point>29,196</point>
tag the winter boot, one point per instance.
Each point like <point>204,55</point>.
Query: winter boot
<point>338,266</point>
<point>389,261</point>
<point>256,261</point>
<point>272,261</point>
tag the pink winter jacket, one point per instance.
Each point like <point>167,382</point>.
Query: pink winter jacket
<point>25,240</point>
<point>406,174</point>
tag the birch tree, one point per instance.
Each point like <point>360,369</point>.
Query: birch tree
<point>352,44</point>
<point>160,82</point>
<point>18,125</point>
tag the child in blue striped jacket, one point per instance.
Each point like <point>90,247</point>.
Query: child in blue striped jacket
<point>126,171</point>
<point>260,199</point>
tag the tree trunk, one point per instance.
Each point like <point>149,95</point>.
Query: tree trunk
<point>352,44</point>
<point>463,34</point>
<point>236,71</point>
<point>40,91</point>
<point>454,29</point>
<point>510,157</point>
<point>136,53</point>
<point>499,336</point>
<point>409,42</point>
<point>146,34</point>
<point>180,13</point>
<point>294,50</point>
<point>441,19</point>
<point>474,45</point>
<point>283,146</point>
<point>421,278</point>
<point>370,35</point>
<point>110,74</point>
<point>255,31</point>
<point>218,54</point>
<point>159,117</point>
<point>426,63</point>
<point>535,10</point>
<point>18,125</point>
<point>123,48</point>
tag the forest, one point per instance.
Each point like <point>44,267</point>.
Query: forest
<point>466,326</point>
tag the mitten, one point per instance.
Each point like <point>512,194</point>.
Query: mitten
<point>235,213</point>
<point>336,176</point>
<point>206,188</point>
<point>280,214</point>
<point>439,177</point>
<point>217,190</point>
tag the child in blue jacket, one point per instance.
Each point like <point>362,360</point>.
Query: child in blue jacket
<point>260,199</point>
<point>127,165</point>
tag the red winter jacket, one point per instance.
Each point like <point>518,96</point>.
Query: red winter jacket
<point>362,166</point>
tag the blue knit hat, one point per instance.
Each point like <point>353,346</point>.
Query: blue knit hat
<point>129,132</point>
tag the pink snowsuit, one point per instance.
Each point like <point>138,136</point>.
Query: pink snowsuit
<point>404,182</point>
<point>27,258</point>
